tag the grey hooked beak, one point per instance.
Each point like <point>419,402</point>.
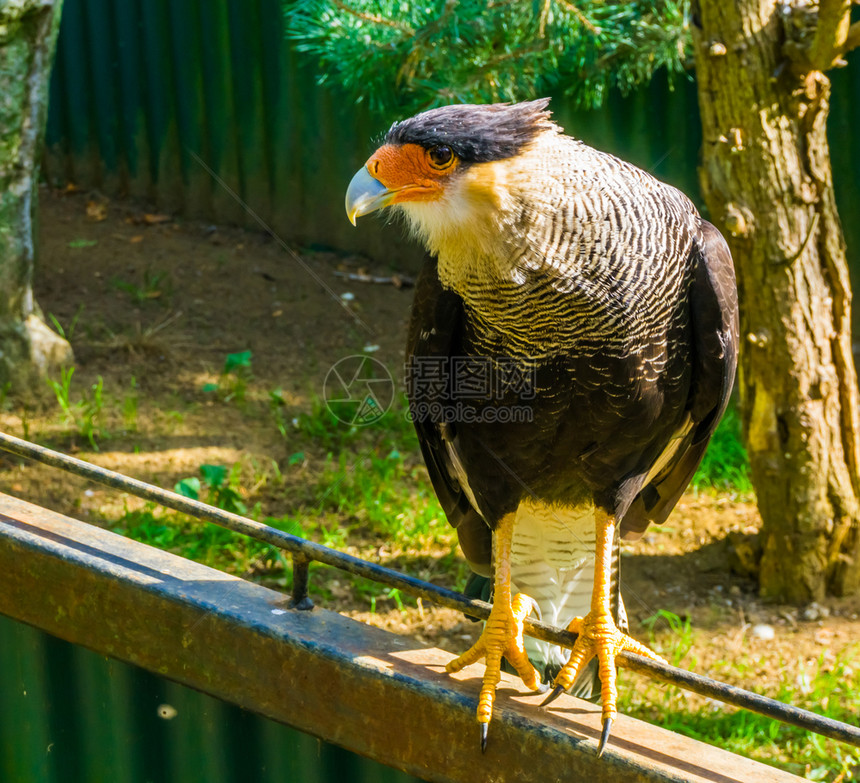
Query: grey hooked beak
<point>366,194</point>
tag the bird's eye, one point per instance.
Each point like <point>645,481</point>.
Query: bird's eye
<point>441,156</point>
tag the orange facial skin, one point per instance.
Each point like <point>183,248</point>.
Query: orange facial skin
<point>407,171</point>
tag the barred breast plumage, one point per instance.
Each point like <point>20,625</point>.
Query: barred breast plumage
<point>581,264</point>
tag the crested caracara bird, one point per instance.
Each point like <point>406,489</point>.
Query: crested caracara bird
<point>572,346</point>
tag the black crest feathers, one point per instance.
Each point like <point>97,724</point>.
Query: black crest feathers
<point>476,133</point>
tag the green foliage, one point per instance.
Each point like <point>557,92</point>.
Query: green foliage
<point>66,333</point>
<point>680,629</point>
<point>235,376</point>
<point>394,594</point>
<point>726,464</point>
<point>831,689</point>
<point>410,56</point>
<point>83,413</point>
<point>371,476</point>
<point>373,494</point>
<point>221,485</point>
<point>63,392</point>
<point>155,284</point>
<point>383,490</point>
<point>237,362</point>
<point>188,487</point>
<point>324,428</point>
<point>278,410</point>
<point>199,541</point>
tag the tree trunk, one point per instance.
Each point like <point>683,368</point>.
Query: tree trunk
<point>28,34</point>
<point>767,182</point>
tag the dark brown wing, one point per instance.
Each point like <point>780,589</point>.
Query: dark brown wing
<point>435,336</point>
<point>714,320</point>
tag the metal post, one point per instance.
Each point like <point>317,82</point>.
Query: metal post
<point>301,576</point>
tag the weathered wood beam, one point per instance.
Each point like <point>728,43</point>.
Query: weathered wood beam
<point>370,691</point>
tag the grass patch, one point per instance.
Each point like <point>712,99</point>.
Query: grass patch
<point>726,464</point>
<point>830,689</point>
<point>83,414</point>
<point>345,486</point>
<point>365,490</point>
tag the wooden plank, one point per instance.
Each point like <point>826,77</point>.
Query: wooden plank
<point>372,692</point>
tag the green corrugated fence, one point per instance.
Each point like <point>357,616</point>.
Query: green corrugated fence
<point>140,85</point>
<point>68,715</point>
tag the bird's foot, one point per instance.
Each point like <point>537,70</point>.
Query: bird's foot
<point>502,636</point>
<point>598,636</point>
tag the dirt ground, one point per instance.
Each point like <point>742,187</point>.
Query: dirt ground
<point>154,304</point>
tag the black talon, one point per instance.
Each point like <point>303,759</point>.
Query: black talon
<point>604,736</point>
<point>484,730</point>
<point>556,692</point>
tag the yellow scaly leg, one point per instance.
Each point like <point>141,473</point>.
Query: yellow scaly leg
<point>503,633</point>
<point>598,635</point>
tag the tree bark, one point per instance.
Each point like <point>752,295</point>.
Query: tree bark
<point>28,34</point>
<point>766,178</point>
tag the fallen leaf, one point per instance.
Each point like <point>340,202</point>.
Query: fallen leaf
<point>136,238</point>
<point>96,211</point>
<point>152,219</point>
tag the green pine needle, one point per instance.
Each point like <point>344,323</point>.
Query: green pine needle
<point>407,56</point>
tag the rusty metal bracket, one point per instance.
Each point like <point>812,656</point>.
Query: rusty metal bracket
<point>306,551</point>
<point>373,692</point>
<point>301,576</point>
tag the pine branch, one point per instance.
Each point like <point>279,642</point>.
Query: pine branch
<point>401,55</point>
<point>373,18</point>
<point>583,19</point>
<point>544,15</point>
